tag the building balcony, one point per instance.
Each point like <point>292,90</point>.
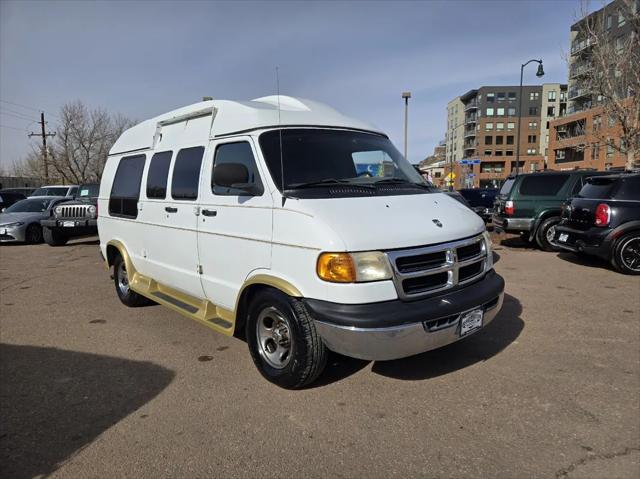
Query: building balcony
<point>576,93</point>
<point>579,46</point>
<point>577,71</point>
<point>470,119</point>
<point>470,133</point>
<point>472,105</point>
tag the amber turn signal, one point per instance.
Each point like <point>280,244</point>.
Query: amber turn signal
<point>336,267</point>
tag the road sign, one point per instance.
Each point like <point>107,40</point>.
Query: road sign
<point>450,176</point>
<point>469,162</point>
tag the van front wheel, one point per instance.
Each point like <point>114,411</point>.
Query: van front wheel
<point>127,296</point>
<point>283,340</point>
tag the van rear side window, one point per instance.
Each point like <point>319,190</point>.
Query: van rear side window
<point>542,185</point>
<point>186,174</point>
<point>157,175</point>
<point>125,191</point>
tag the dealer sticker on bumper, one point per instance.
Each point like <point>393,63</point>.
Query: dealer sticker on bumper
<point>563,237</point>
<point>471,321</point>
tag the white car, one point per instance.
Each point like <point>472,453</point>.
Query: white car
<point>285,221</point>
<point>55,190</point>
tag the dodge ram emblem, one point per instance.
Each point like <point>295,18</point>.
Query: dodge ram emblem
<point>437,222</point>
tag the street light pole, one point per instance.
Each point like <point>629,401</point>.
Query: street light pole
<point>539,73</point>
<point>406,95</point>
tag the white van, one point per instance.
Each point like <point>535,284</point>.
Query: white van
<point>283,221</point>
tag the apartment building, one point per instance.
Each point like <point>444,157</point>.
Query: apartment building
<point>454,136</point>
<point>583,137</point>
<point>490,137</point>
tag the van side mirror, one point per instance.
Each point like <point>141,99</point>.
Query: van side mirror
<point>234,175</point>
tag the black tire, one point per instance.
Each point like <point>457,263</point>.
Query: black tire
<point>307,354</point>
<point>54,237</point>
<point>127,296</point>
<point>33,235</point>
<point>626,254</point>
<point>545,232</point>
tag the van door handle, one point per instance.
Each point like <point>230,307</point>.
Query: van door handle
<point>171,209</point>
<point>209,212</point>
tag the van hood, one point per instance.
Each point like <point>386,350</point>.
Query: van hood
<point>390,222</point>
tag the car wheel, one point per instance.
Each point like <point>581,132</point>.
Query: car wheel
<point>626,254</point>
<point>33,235</point>
<point>283,341</point>
<point>54,237</point>
<point>546,232</point>
<point>127,296</point>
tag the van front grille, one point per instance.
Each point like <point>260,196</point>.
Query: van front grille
<point>420,272</point>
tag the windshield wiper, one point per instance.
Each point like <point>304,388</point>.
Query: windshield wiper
<point>327,182</point>
<point>401,181</point>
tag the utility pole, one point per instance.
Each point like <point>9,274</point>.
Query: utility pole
<point>44,136</point>
<point>406,95</point>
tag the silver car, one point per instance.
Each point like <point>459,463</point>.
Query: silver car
<point>20,222</point>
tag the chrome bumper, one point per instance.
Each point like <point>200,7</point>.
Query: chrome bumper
<point>382,344</point>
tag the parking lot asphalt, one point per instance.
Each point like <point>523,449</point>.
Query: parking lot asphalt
<point>90,388</point>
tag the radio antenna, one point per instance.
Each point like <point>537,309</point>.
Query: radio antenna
<point>280,135</point>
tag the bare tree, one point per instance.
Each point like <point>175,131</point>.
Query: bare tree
<point>612,74</point>
<point>79,150</point>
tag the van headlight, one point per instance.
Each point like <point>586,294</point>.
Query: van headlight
<point>353,267</point>
<point>488,249</point>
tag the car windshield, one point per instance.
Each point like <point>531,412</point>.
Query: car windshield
<point>88,191</point>
<point>29,206</point>
<point>51,191</point>
<point>321,158</point>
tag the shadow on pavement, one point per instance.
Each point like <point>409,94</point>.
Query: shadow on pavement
<point>501,332</point>
<point>585,260</point>
<point>518,242</point>
<point>55,402</point>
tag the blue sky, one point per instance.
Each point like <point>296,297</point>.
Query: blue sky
<point>144,58</point>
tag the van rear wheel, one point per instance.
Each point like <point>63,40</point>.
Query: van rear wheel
<point>127,296</point>
<point>283,341</point>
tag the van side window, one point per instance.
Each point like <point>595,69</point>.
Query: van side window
<point>125,192</point>
<point>241,153</point>
<point>157,175</point>
<point>186,174</point>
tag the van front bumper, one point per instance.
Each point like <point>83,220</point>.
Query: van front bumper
<point>397,329</point>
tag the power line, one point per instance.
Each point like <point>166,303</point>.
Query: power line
<point>20,117</point>
<point>13,128</point>
<point>44,136</point>
<point>39,110</point>
<point>16,112</point>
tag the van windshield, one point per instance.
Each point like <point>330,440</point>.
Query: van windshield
<point>320,162</point>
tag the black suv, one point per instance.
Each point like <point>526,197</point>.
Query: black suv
<point>531,204</point>
<point>480,200</point>
<point>604,220</point>
<point>73,218</point>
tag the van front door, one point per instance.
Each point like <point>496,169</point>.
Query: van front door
<point>234,229</point>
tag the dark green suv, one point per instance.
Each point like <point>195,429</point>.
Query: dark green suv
<point>531,204</point>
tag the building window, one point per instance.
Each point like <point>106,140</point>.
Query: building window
<point>499,140</point>
<point>561,154</point>
<point>491,97</point>
<point>533,111</point>
<point>533,166</point>
<point>609,22</point>
<point>488,126</point>
<point>531,151</point>
<point>563,96</point>
<point>597,122</point>
<point>623,146</point>
<point>489,111</point>
<point>621,19</point>
<point>595,151</point>
<point>512,96</point>
<point>552,95</point>
<point>510,139</point>
<point>533,125</point>
<point>611,121</point>
<point>511,126</point>
<point>551,111</point>
<point>488,140</point>
<point>487,152</point>
<point>499,126</point>
<point>619,46</point>
<point>610,150</point>
<point>498,153</point>
<point>532,138</point>
<point>500,96</point>
<point>509,152</point>
<point>500,111</point>
<point>608,166</point>
<point>534,95</point>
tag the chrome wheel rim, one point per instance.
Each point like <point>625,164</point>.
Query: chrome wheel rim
<point>123,279</point>
<point>551,232</point>
<point>273,332</point>
<point>630,253</point>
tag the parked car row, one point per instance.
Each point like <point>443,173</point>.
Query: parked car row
<point>48,217</point>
